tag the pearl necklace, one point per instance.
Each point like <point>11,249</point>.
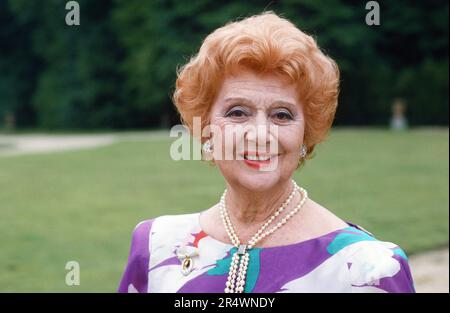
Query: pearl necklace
<point>239,262</point>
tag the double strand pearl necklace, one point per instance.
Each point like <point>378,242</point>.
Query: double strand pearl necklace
<point>239,262</point>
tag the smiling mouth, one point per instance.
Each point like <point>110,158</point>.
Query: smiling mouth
<point>256,160</point>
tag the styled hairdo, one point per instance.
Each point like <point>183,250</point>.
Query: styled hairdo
<point>264,43</point>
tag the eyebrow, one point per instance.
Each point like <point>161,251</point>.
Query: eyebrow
<point>281,102</point>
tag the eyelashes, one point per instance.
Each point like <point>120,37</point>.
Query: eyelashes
<point>237,112</point>
<point>240,113</point>
<point>283,115</point>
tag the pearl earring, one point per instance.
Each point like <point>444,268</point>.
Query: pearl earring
<point>303,151</point>
<point>207,147</point>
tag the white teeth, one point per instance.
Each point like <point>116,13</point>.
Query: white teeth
<point>257,158</point>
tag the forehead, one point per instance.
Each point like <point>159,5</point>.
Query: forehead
<point>258,87</point>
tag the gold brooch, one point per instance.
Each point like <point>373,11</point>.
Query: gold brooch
<point>185,254</point>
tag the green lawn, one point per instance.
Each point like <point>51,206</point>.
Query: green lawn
<point>82,205</point>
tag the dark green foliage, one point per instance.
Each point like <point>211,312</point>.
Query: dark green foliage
<point>117,69</point>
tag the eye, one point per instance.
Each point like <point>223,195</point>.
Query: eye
<point>236,112</point>
<point>283,115</point>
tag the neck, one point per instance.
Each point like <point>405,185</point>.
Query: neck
<point>249,207</point>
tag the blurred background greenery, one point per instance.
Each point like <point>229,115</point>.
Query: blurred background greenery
<point>117,69</point>
<point>116,72</point>
<point>83,205</point>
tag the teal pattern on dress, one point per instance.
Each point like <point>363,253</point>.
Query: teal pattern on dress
<point>345,239</point>
<point>398,251</point>
<point>223,267</point>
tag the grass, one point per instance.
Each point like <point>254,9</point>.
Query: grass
<point>82,205</point>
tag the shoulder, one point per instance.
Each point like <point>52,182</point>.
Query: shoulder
<point>373,265</point>
<point>134,277</point>
<point>163,225</point>
<point>143,227</point>
<point>168,230</point>
<point>160,233</point>
<point>140,238</point>
<point>174,224</point>
<point>152,241</point>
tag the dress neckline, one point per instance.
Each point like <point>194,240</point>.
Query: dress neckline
<point>349,227</point>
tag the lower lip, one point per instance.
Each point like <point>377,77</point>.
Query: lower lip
<point>256,164</point>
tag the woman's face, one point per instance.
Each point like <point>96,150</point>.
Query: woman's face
<point>261,126</point>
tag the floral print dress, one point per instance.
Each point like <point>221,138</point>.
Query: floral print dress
<point>345,260</point>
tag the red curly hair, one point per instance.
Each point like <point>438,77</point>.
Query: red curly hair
<point>264,43</point>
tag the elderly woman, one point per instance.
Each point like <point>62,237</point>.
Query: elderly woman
<point>269,84</point>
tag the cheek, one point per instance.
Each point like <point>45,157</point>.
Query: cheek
<point>225,138</point>
<point>290,139</point>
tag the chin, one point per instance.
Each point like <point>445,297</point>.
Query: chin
<point>252,179</point>
<point>258,183</point>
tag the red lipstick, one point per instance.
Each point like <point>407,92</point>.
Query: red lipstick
<point>255,163</point>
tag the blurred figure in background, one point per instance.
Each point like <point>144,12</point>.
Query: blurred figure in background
<point>398,120</point>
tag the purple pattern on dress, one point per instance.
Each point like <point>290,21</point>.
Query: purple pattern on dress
<point>138,259</point>
<point>205,282</point>
<point>277,259</point>
<point>171,261</point>
<point>278,265</point>
<point>273,260</point>
<point>401,282</point>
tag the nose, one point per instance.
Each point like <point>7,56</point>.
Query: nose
<point>258,131</point>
